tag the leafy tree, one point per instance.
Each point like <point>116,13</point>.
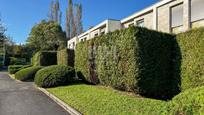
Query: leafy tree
<point>47,36</point>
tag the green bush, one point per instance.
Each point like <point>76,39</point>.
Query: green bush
<point>12,69</point>
<point>44,58</point>
<point>133,59</point>
<point>192,47</point>
<point>27,74</point>
<point>65,57</point>
<point>189,102</point>
<point>53,76</point>
<point>17,61</point>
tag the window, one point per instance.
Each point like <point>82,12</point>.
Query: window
<point>82,40</point>
<point>140,23</point>
<point>85,39</point>
<point>73,44</point>
<point>96,35</point>
<point>102,33</point>
<point>197,10</point>
<point>177,16</point>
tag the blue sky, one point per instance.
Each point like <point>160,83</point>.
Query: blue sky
<point>20,15</point>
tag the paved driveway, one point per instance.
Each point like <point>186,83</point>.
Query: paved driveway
<point>24,99</point>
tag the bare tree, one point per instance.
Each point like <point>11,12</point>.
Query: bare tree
<point>78,19</point>
<point>55,13</point>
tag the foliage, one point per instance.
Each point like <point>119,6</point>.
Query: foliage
<point>53,76</point>
<point>99,100</point>
<point>27,74</point>
<point>44,58</point>
<point>12,69</point>
<point>133,59</point>
<point>189,102</point>
<point>192,47</point>
<point>47,36</point>
<point>17,61</point>
<point>65,57</point>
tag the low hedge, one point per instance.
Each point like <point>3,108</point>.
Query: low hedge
<point>12,69</point>
<point>65,57</point>
<point>27,74</point>
<point>191,44</point>
<point>53,76</point>
<point>44,58</point>
<point>133,59</point>
<point>189,102</point>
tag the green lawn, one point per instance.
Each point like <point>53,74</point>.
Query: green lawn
<point>98,100</point>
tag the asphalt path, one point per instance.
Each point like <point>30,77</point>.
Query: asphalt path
<point>22,98</point>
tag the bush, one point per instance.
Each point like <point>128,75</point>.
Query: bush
<point>192,47</point>
<point>12,69</point>
<point>17,61</point>
<point>53,76</point>
<point>65,57</point>
<point>27,74</point>
<point>44,58</point>
<point>133,59</point>
<point>189,102</point>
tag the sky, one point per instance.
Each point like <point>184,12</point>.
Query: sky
<point>19,16</point>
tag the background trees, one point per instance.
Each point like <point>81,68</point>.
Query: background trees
<point>54,13</point>
<point>47,35</point>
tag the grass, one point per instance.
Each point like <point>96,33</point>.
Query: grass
<point>99,100</point>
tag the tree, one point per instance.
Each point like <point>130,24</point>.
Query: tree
<point>78,20</point>
<point>47,36</point>
<point>55,14</point>
<point>70,23</point>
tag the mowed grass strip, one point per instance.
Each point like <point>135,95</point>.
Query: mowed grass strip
<point>99,100</point>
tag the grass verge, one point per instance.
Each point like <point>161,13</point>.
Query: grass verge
<point>98,100</point>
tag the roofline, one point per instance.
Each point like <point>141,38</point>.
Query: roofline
<point>148,9</point>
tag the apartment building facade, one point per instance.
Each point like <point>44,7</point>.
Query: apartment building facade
<point>171,16</point>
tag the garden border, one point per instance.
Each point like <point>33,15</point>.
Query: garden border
<point>68,108</point>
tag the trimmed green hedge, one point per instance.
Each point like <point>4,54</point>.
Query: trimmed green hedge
<point>65,57</point>
<point>53,76</point>
<point>27,74</point>
<point>134,59</point>
<point>12,69</point>
<point>189,102</point>
<point>44,58</point>
<point>192,67</point>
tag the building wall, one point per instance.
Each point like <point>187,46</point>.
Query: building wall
<point>72,43</point>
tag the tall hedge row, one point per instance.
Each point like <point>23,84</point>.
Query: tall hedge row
<point>44,58</point>
<point>134,59</point>
<point>65,57</point>
<point>192,50</point>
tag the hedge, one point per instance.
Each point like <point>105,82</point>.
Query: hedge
<point>189,102</point>
<point>44,58</point>
<point>65,57</point>
<point>134,59</point>
<point>27,74</point>
<point>192,67</point>
<point>12,69</point>
<point>53,76</point>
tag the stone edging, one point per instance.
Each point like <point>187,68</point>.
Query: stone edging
<point>68,108</point>
<point>12,77</point>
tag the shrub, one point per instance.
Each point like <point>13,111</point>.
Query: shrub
<point>189,102</point>
<point>12,69</point>
<point>44,58</point>
<point>53,76</point>
<point>65,57</point>
<point>27,74</point>
<point>192,47</point>
<point>17,61</point>
<point>133,59</point>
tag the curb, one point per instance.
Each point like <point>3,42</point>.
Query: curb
<point>12,77</point>
<point>68,108</point>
